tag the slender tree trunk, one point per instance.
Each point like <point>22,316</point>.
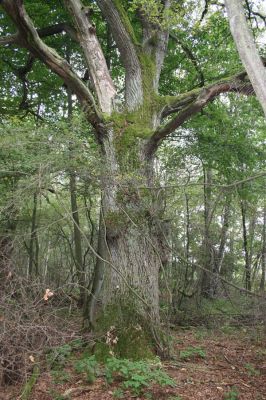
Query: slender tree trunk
<point>263,255</point>
<point>220,254</point>
<point>206,282</point>
<point>77,237</point>
<point>245,247</point>
<point>251,235</point>
<point>90,311</point>
<point>75,216</point>
<point>33,253</point>
<point>223,236</point>
<point>187,236</point>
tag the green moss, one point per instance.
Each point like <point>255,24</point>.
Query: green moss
<point>27,389</point>
<point>116,223</point>
<point>134,340</point>
<point>125,19</point>
<point>130,129</point>
<point>148,69</point>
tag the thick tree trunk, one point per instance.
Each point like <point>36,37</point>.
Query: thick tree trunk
<point>130,289</point>
<point>132,246</point>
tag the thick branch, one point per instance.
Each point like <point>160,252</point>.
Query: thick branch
<point>96,62</point>
<point>191,103</point>
<point>30,39</point>
<point>126,41</point>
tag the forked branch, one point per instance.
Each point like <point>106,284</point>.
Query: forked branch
<point>189,104</point>
<point>30,39</point>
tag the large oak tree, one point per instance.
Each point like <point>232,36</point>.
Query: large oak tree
<point>129,126</point>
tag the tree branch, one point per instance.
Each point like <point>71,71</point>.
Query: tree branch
<point>191,56</point>
<point>30,39</point>
<point>21,73</point>
<point>156,40</point>
<point>124,36</point>
<point>192,102</point>
<point>44,32</point>
<point>96,62</point>
<point>254,13</point>
<point>204,12</point>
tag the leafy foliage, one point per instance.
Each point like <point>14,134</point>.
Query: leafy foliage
<point>232,394</point>
<point>87,365</point>
<point>136,375</point>
<point>191,353</point>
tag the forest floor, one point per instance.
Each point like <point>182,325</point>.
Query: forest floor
<point>226,364</point>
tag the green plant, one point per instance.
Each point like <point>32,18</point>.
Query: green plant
<point>136,375</point>
<point>60,376</point>
<point>58,355</point>
<point>148,395</point>
<point>227,329</point>
<point>175,398</point>
<point>118,393</point>
<point>57,396</point>
<point>76,344</point>
<point>232,394</point>
<point>87,365</point>
<point>251,370</point>
<point>201,333</point>
<point>191,353</point>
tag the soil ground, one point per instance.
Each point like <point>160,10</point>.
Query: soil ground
<point>223,365</point>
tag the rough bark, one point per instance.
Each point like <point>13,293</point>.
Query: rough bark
<point>130,236</point>
<point>247,50</point>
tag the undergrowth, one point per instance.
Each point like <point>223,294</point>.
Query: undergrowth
<point>136,377</point>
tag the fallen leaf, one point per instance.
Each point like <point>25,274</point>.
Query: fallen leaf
<point>47,294</point>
